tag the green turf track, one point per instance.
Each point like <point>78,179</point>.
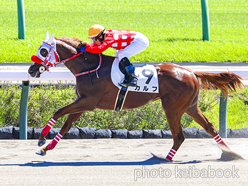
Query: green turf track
<point>173,27</point>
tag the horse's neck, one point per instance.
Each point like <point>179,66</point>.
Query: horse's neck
<point>83,62</point>
<point>87,62</point>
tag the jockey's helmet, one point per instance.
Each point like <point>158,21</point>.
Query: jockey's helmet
<point>96,30</point>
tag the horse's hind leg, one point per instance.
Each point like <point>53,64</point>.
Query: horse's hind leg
<point>173,114</point>
<point>177,134</point>
<point>198,116</point>
<point>175,104</point>
<point>72,118</point>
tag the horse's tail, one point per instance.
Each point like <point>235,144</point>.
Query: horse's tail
<point>224,81</point>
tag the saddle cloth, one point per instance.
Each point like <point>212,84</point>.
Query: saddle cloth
<point>147,78</point>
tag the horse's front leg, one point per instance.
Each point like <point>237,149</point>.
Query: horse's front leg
<point>76,107</point>
<point>72,118</point>
<point>75,110</point>
<point>44,132</point>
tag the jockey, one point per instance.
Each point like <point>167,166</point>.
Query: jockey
<point>127,44</point>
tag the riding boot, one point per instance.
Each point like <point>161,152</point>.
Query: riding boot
<point>130,78</point>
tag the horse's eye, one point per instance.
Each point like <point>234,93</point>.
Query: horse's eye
<point>43,52</point>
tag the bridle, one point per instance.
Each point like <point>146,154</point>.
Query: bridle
<point>47,62</point>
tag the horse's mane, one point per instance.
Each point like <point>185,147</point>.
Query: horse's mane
<point>74,42</point>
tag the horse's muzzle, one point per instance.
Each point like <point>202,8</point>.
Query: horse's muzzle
<point>34,74</point>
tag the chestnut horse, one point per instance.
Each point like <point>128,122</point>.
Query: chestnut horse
<point>178,90</point>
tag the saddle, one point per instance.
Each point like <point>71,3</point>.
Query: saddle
<point>147,81</point>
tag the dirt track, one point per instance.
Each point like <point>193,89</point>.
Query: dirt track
<point>122,162</point>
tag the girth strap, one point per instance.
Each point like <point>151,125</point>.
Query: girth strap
<point>121,96</point>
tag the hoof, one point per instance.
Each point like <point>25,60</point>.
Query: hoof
<point>41,142</point>
<point>168,160</point>
<point>41,153</point>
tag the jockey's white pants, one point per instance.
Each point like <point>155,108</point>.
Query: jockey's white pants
<point>139,44</point>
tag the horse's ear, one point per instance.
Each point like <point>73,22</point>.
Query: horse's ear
<point>51,39</point>
<point>47,36</point>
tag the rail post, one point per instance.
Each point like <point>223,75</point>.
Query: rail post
<point>21,19</point>
<point>23,110</point>
<point>223,116</point>
<point>205,21</point>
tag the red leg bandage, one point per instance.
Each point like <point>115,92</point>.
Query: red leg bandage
<point>171,154</point>
<point>47,128</point>
<point>219,140</point>
<point>53,143</point>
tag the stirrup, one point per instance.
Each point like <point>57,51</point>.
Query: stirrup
<point>131,83</point>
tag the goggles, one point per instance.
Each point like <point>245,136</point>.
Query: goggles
<point>94,39</point>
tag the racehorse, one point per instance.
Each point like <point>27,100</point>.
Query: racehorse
<point>178,89</point>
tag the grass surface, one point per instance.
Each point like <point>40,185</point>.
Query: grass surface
<point>173,27</point>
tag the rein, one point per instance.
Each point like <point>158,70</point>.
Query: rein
<point>72,57</point>
<point>82,73</point>
<point>89,71</point>
<point>86,60</point>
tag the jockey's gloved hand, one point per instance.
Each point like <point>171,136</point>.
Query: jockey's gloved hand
<point>82,49</point>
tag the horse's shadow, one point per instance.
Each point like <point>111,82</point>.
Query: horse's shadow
<point>154,160</point>
<point>227,155</point>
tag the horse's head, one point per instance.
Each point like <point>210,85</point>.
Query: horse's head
<point>45,57</point>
